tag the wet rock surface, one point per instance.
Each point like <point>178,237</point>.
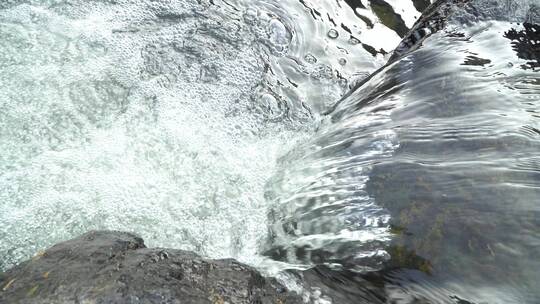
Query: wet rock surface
<point>116,267</point>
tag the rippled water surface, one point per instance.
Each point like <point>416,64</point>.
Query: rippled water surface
<point>250,129</point>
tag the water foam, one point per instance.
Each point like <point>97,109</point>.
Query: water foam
<point>166,119</point>
<point>138,118</point>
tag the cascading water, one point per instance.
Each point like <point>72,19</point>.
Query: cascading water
<point>215,126</point>
<point>160,117</point>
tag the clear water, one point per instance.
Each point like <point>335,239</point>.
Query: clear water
<point>441,147</point>
<point>215,127</point>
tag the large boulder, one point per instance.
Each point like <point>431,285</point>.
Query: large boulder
<point>116,267</point>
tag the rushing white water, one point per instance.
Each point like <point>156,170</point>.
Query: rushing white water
<point>161,117</point>
<point>143,118</point>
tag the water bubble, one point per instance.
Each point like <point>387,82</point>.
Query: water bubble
<point>323,71</point>
<point>278,35</point>
<point>269,103</point>
<point>309,58</point>
<point>209,73</point>
<point>353,41</point>
<point>342,61</point>
<point>251,15</point>
<point>333,34</point>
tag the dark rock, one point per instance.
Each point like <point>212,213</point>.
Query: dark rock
<point>392,20</point>
<point>116,267</point>
<point>526,44</point>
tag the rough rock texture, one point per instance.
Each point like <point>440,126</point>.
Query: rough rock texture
<point>116,267</point>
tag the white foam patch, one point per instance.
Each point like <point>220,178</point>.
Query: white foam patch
<point>137,117</point>
<point>162,118</point>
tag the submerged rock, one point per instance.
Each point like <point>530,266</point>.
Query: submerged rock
<point>116,267</point>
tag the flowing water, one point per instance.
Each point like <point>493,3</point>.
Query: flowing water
<point>161,117</point>
<point>220,127</point>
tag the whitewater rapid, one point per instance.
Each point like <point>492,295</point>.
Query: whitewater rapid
<point>163,118</point>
